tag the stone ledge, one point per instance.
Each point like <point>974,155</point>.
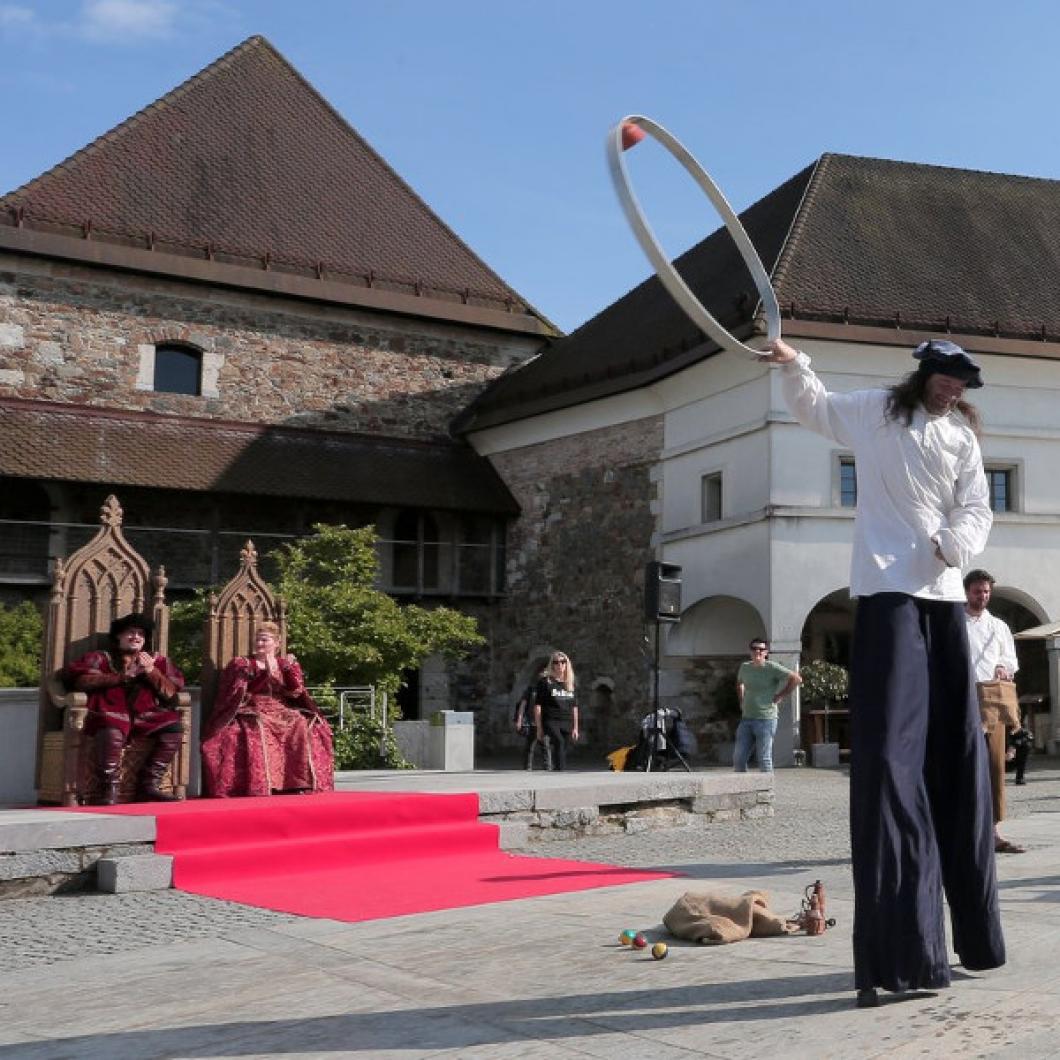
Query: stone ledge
<point>144,872</point>
<point>57,871</point>
<point>34,830</point>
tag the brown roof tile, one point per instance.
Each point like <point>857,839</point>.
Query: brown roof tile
<point>247,158</point>
<point>77,443</point>
<point>857,241</point>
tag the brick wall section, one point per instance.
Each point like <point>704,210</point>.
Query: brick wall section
<point>72,334</point>
<point>576,562</point>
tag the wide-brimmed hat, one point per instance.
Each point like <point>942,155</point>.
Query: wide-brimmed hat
<point>135,620</point>
<point>947,358</point>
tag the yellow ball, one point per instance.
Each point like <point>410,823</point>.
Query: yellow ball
<point>659,951</point>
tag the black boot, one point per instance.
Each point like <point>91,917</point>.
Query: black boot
<point>109,746</point>
<point>164,751</point>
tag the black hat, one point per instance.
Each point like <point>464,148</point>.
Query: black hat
<point>136,620</point>
<point>947,358</point>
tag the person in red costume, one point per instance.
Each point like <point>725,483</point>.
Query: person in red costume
<point>131,693</point>
<point>265,735</point>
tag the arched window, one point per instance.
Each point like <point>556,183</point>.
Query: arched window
<point>178,369</point>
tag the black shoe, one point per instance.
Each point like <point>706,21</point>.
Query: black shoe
<point>868,999</point>
<point>1020,781</point>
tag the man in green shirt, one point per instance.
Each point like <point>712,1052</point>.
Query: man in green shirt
<point>760,684</point>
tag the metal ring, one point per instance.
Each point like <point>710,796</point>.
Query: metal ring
<point>668,275</point>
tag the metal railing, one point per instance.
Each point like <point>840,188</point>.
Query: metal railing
<point>197,558</point>
<point>343,702</point>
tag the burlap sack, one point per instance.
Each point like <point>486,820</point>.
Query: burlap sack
<point>998,702</point>
<point>715,919</point>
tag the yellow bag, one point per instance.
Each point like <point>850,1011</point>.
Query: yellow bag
<point>619,758</point>
<point>998,702</point>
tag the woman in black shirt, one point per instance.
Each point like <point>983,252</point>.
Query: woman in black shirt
<point>555,708</point>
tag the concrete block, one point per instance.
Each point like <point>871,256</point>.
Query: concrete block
<point>824,755</point>
<point>144,872</point>
<point>19,712</point>
<point>514,835</point>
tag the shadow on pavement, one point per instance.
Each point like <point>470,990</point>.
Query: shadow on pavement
<point>637,1011</point>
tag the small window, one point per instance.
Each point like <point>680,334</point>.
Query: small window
<point>1001,481</point>
<point>710,497</point>
<point>848,483</point>
<point>178,370</point>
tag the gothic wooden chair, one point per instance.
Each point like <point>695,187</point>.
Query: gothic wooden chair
<point>229,631</point>
<point>101,581</point>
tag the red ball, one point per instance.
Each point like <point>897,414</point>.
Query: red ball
<point>640,941</point>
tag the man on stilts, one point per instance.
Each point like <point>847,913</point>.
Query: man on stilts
<point>920,808</point>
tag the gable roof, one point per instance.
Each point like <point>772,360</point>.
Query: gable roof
<point>854,242</point>
<point>245,162</point>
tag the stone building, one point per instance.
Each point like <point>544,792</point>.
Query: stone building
<point>634,439</point>
<point>232,313</point>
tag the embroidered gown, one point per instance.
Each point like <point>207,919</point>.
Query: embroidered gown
<point>265,734</point>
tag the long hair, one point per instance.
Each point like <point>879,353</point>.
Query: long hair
<point>903,399</point>
<point>568,681</point>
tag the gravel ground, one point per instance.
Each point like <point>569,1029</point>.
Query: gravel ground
<point>809,827</point>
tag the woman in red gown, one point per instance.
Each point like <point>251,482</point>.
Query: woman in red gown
<point>265,735</point>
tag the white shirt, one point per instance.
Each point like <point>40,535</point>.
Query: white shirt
<point>917,484</point>
<point>991,644</point>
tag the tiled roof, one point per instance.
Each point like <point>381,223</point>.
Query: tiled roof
<point>75,443</point>
<point>248,160</point>
<point>850,241</point>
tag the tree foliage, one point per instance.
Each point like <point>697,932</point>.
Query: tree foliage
<point>344,630</point>
<point>21,638</point>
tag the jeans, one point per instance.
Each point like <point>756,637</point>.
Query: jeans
<point>758,732</point>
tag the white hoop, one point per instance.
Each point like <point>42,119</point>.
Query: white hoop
<point>668,275</point>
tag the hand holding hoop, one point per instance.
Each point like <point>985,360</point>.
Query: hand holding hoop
<point>625,134</point>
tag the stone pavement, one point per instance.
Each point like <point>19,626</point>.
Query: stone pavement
<point>170,975</point>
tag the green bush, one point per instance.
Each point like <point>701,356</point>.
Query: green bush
<point>824,682</point>
<point>21,638</point>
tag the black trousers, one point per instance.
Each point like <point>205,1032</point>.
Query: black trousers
<point>921,820</point>
<point>555,731</point>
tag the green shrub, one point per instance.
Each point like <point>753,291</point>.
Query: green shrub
<point>21,638</point>
<point>823,681</point>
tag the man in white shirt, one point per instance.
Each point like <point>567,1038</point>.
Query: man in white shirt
<point>993,659</point>
<point>920,811</point>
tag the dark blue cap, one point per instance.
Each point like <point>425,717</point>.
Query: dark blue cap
<point>947,358</point>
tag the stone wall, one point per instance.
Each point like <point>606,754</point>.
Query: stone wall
<point>575,578</point>
<point>82,335</point>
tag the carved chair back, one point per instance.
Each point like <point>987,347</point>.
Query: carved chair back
<point>101,581</point>
<point>233,614</point>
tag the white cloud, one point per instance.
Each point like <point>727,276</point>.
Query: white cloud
<point>11,15</point>
<point>120,21</point>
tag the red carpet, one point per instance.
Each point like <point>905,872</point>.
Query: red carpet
<point>356,855</point>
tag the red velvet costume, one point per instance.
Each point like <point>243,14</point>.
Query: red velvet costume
<point>265,734</point>
<point>134,706</point>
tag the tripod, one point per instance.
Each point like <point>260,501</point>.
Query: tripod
<point>659,744</point>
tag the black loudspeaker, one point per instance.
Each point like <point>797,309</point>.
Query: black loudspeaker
<point>662,592</point>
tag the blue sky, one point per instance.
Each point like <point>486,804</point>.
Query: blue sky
<point>495,112</point>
